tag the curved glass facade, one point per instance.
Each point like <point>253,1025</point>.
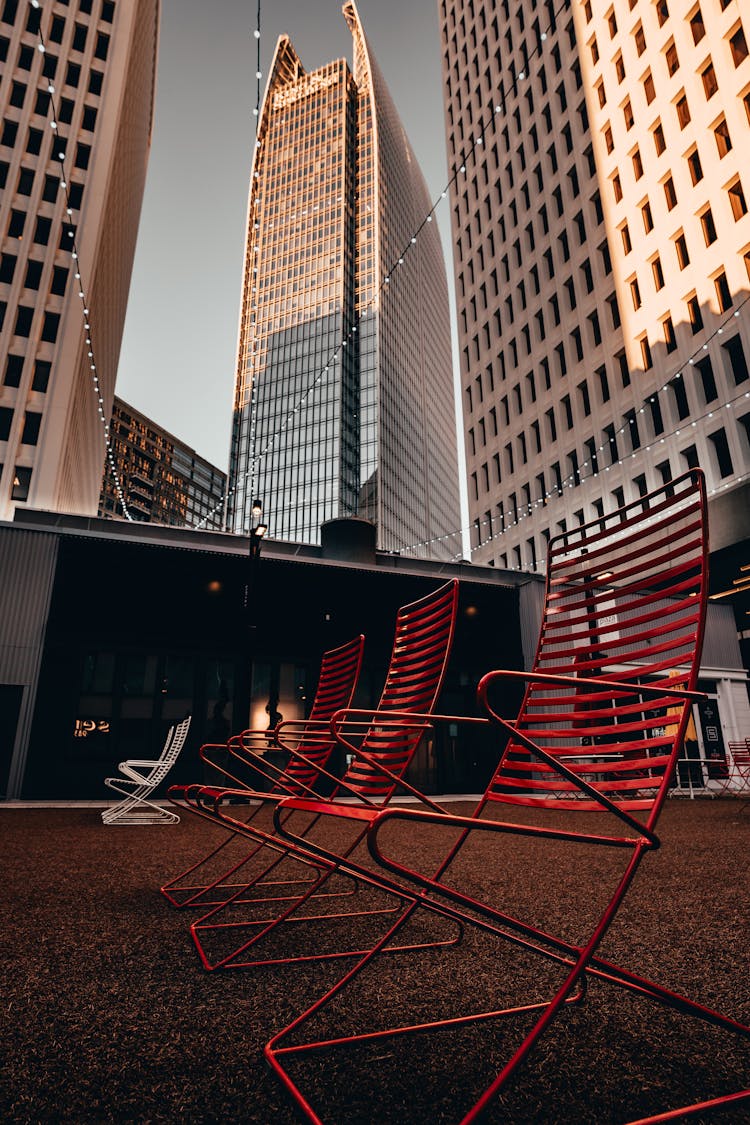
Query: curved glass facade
<point>344,391</point>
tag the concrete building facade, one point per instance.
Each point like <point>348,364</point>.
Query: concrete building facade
<point>602,259</point>
<point>344,399</point>
<point>76,102</point>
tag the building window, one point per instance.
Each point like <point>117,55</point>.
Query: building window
<point>737,362</point>
<point>6,421</point>
<point>645,353</point>
<point>710,83</point>
<point>683,111</point>
<point>690,457</point>
<point>659,142</point>
<point>42,230</point>
<point>708,226</point>
<point>612,23</point>
<point>83,155</point>
<point>640,39</point>
<point>710,393</point>
<point>608,138</point>
<point>24,317</point>
<point>723,140</point>
<point>677,387</point>
<point>635,293</point>
<point>627,113</point>
<point>658,272</point>
<point>719,441</point>
<point>13,369</point>
<point>601,373</point>
<point>694,164</point>
<point>669,193</point>
<point>617,187</point>
<point>21,483</point>
<point>697,26</point>
<point>723,295</point>
<point>59,281</point>
<point>738,46</point>
<point>648,87</point>
<point>737,200</point>
<point>662,12</point>
<point>637,164</point>
<point>695,315</point>
<point>50,327</point>
<point>7,267</point>
<point>79,37</point>
<point>33,274</point>
<point>680,245</point>
<point>672,61</point>
<point>34,142</point>
<point>42,371</point>
<point>669,334</point>
<point>31,423</point>
<point>648,222</point>
<point>102,46</point>
<point>627,245</point>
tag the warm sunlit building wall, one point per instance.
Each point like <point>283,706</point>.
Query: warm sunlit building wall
<point>344,392</point>
<point>100,59</point>
<point>602,258</point>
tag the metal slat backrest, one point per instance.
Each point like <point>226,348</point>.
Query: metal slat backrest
<point>173,744</point>
<point>626,601</point>
<point>339,672</point>
<point>421,648</point>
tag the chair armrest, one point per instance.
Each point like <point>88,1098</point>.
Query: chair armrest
<point>583,681</point>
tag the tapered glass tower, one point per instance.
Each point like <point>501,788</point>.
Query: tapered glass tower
<point>344,389</point>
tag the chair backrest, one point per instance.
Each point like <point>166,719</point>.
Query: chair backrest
<point>626,601</point>
<point>173,743</point>
<point>339,672</point>
<point>421,648</point>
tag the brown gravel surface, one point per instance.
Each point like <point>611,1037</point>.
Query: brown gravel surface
<point>108,1016</point>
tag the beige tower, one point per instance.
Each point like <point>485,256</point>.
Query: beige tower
<point>602,263</point>
<point>88,94</point>
<point>344,392</point>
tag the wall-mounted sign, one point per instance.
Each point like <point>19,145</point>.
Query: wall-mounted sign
<point>85,727</point>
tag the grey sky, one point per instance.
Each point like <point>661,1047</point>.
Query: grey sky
<point>178,353</point>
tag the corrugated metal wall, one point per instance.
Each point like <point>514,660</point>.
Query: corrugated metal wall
<point>27,566</point>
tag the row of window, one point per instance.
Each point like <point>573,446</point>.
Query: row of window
<point>24,318</point>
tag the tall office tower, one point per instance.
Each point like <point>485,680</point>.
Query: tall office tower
<point>162,479</point>
<point>344,391</point>
<point>88,95</point>
<point>602,258</point>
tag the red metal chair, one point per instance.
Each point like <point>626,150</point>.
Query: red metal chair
<point>309,744</point>
<point>737,781</point>
<point>599,731</point>
<point>379,754</point>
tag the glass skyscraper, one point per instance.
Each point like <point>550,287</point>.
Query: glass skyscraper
<point>344,391</point>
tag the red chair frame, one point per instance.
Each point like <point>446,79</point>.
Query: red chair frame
<point>309,745</point>
<point>380,755</point>
<point>625,610</point>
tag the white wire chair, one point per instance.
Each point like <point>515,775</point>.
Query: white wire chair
<point>140,778</point>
